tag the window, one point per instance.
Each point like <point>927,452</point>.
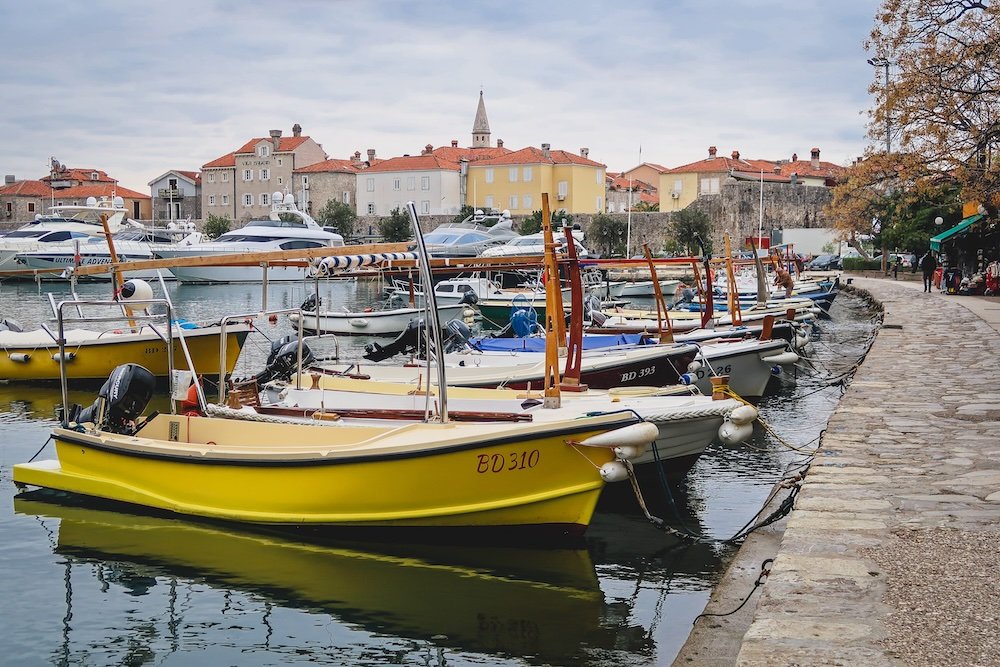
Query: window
<point>225,200</point>
<point>94,176</point>
<point>527,202</point>
<point>211,200</point>
<point>211,177</point>
<point>263,199</point>
<point>395,184</point>
<point>248,174</point>
<point>281,161</point>
<point>489,175</point>
<point>370,185</point>
<point>488,203</point>
<point>248,200</point>
<point>512,201</point>
<point>425,182</point>
<point>265,174</point>
<point>263,150</point>
<point>563,188</point>
<point>512,174</point>
<point>709,186</point>
<point>281,180</point>
<point>10,209</point>
<point>225,177</point>
<point>425,207</point>
<point>600,203</point>
<point>371,208</point>
<point>678,186</point>
<point>526,175</point>
<point>599,178</point>
<point>172,183</point>
<point>345,197</point>
<point>411,182</point>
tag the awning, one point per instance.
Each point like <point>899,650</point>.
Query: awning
<point>957,229</point>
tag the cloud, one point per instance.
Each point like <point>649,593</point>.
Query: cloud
<point>137,89</point>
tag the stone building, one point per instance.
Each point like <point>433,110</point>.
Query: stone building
<point>176,195</point>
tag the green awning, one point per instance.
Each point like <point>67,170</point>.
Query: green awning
<point>957,229</point>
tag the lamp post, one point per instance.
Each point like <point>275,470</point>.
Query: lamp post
<point>882,61</point>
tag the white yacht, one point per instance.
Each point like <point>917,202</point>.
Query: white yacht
<point>131,244</point>
<point>532,244</point>
<point>287,228</point>
<point>63,223</point>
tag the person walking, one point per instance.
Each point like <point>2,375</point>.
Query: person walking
<point>783,278</point>
<point>895,267</point>
<point>928,264</point>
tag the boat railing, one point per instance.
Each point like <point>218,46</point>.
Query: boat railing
<point>239,318</point>
<point>132,317</point>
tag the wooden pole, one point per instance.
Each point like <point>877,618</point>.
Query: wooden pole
<point>666,335</point>
<point>550,272</point>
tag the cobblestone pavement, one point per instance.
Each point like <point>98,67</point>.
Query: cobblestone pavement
<point>892,554</point>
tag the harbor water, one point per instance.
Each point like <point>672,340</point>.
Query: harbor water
<point>90,583</point>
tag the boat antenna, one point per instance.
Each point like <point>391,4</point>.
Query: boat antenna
<point>430,304</point>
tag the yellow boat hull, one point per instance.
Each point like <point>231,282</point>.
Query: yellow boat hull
<point>95,359</point>
<point>428,475</point>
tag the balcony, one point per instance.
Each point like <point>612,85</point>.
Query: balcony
<point>170,193</point>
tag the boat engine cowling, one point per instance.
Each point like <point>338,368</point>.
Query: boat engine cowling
<point>121,400</point>
<point>283,360</point>
<point>312,303</point>
<point>10,325</point>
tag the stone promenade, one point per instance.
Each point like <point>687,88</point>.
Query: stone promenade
<point>892,554</point>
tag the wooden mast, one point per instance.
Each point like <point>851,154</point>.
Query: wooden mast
<point>550,274</point>
<point>666,336</point>
<point>574,351</point>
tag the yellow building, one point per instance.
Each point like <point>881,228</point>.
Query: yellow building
<point>516,181</point>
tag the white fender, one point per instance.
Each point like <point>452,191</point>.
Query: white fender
<point>745,414</point>
<point>614,471</point>
<point>801,342</point>
<point>782,359</point>
<point>359,322</point>
<point>732,434</point>
<point>634,435</point>
<point>70,356</point>
<point>629,452</point>
<point>19,357</point>
<point>694,366</point>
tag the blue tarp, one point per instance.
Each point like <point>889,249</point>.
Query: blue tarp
<point>537,343</point>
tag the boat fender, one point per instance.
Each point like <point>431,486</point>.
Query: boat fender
<point>801,342</point>
<point>694,366</point>
<point>614,471</point>
<point>629,452</point>
<point>783,359</point>
<point>688,379</point>
<point>775,370</point>
<point>359,322</point>
<point>19,357</point>
<point>745,414</point>
<point>136,292</point>
<point>732,434</point>
<point>70,356</point>
<point>636,435</point>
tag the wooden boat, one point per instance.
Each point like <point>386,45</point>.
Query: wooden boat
<point>371,322</point>
<point>541,475</point>
<point>93,355</point>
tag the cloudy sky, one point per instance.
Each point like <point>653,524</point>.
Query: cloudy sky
<point>138,88</point>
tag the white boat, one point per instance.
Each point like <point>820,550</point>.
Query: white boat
<point>531,244</point>
<point>131,244</point>
<point>287,228</point>
<point>63,223</point>
<point>642,288</point>
<point>471,236</point>
<point>371,322</point>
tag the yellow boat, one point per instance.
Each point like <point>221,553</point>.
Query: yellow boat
<point>513,474</point>
<point>93,355</point>
<point>544,603</point>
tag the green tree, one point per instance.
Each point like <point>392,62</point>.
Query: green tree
<point>686,225</point>
<point>607,234</point>
<point>396,227</point>
<point>338,215</point>
<point>216,225</point>
<point>463,213</point>
<point>533,223</point>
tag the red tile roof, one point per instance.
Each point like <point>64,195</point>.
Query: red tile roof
<point>285,144</point>
<point>649,197</point>
<point>227,160</point>
<point>79,174</point>
<point>532,155</point>
<point>26,189</point>
<point>714,165</point>
<point>98,190</point>
<point>414,163</point>
<point>456,154</point>
<point>330,165</point>
<point>193,175</point>
<point>620,182</point>
<point>803,168</point>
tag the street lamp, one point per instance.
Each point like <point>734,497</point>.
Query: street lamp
<point>938,220</point>
<point>882,61</point>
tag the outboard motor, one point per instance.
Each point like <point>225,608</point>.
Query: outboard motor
<point>283,360</point>
<point>686,297</point>
<point>10,325</point>
<point>404,343</point>
<point>457,336</point>
<point>312,303</point>
<point>470,298</point>
<point>592,311</point>
<point>121,400</point>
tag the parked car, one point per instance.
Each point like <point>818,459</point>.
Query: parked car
<point>824,263</point>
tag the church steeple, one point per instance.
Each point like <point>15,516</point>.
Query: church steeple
<point>481,126</point>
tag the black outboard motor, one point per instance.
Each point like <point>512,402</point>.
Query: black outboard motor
<point>121,400</point>
<point>283,360</point>
<point>457,335</point>
<point>470,298</point>
<point>312,303</point>
<point>405,342</point>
